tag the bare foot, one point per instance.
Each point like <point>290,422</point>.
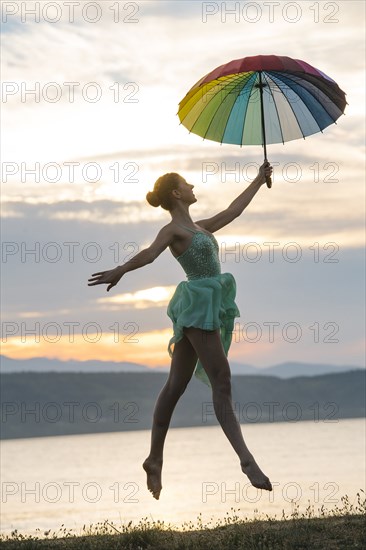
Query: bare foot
<point>255,475</point>
<point>153,470</point>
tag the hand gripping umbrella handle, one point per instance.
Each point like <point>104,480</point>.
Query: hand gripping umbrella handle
<point>268,178</point>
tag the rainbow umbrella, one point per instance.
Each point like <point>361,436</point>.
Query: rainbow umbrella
<point>262,99</point>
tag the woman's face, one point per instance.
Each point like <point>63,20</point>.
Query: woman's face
<point>186,191</point>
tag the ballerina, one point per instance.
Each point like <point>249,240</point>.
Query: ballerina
<point>202,311</point>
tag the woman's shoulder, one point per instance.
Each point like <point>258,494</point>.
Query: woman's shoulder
<point>173,231</point>
<point>171,228</point>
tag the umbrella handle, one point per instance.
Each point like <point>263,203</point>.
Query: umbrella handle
<point>268,178</point>
<point>260,86</point>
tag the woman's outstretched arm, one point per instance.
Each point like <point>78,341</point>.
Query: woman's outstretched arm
<point>146,256</point>
<point>239,204</point>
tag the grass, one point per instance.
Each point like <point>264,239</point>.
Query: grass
<point>341,528</point>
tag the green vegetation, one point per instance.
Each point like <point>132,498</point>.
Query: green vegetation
<point>54,403</point>
<point>342,528</point>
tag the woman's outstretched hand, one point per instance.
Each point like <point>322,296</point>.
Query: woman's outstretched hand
<point>110,278</point>
<point>264,171</point>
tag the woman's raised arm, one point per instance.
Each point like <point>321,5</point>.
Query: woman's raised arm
<point>239,204</point>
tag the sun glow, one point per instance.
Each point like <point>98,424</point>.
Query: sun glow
<point>149,348</point>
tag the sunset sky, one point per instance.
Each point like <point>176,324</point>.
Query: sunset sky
<point>101,126</point>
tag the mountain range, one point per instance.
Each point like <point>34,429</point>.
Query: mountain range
<point>288,369</point>
<point>36,404</point>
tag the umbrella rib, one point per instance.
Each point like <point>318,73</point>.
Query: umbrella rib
<point>323,106</point>
<point>226,123</point>
<point>228,118</point>
<point>289,103</point>
<point>202,113</point>
<point>274,102</point>
<point>213,116</point>
<point>314,96</point>
<point>325,92</point>
<point>254,77</point>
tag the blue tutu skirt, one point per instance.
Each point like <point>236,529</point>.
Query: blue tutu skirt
<point>206,303</point>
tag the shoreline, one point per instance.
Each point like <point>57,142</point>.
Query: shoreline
<point>148,430</point>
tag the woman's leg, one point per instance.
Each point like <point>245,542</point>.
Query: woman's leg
<point>210,351</point>
<point>182,367</point>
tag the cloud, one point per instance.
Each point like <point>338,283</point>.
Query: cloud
<point>305,215</point>
<point>157,296</point>
<point>96,212</point>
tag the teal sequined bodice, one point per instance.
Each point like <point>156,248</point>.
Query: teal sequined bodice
<point>201,259</point>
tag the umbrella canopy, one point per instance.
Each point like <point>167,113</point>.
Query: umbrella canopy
<point>261,99</point>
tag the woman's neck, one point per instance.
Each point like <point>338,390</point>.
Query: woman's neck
<point>181,216</point>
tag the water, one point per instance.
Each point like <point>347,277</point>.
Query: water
<point>85,479</point>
